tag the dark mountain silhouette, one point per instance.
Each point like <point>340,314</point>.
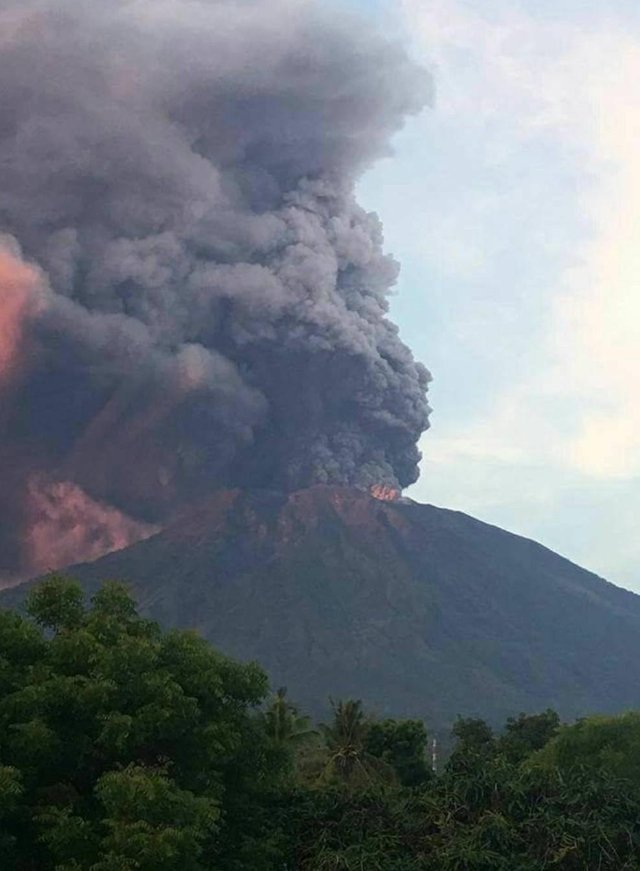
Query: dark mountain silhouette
<point>415,609</point>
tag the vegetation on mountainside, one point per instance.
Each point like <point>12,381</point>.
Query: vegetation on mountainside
<point>415,609</point>
<point>123,746</point>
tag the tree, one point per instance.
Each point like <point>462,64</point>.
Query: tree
<point>402,745</point>
<point>596,744</point>
<point>284,723</point>
<point>127,748</point>
<point>348,760</point>
<point>123,746</point>
<point>475,744</point>
<point>527,733</point>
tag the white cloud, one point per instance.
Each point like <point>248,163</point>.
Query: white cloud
<point>540,96</point>
<point>581,88</point>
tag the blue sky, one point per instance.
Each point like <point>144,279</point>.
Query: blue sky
<point>514,208</point>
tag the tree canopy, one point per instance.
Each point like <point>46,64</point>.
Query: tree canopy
<point>124,747</point>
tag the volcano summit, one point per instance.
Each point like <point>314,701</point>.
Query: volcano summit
<point>416,609</point>
<point>192,302</point>
<point>190,295</point>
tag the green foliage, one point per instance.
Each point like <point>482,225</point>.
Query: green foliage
<point>56,604</point>
<point>127,748</point>
<point>473,736</point>
<point>284,723</point>
<point>123,746</point>
<point>506,816</point>
<point>527,733</point>
<point>501,817</point>
<point>373,828</point>
<point>596,744</point>
<point>151,822</point>
<point>402,745</point>
<point>489,811</point>
<point>348,760</point>
<point>475,745</point>
<point>345,739</point>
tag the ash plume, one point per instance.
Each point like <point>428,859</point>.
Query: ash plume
<point>190,296</point>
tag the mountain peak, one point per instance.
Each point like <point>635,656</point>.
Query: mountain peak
<point>416,609</point>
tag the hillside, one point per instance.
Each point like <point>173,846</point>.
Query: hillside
<point>416,609</point>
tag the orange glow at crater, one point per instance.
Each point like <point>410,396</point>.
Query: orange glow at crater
<point>385,493</point>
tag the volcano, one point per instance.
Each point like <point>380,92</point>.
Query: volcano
<point>415,609</point>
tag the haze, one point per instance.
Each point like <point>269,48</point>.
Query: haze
<point>514,208</point>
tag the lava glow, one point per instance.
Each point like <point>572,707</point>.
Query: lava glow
<point>385,493</point>
<point>67,526</point>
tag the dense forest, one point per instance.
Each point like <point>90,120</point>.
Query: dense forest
<point>124,746</point>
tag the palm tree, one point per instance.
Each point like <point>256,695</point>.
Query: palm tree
<point>345,739</point>
<point>284,723</point>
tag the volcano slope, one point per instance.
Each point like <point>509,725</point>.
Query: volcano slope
<point>415,609</point>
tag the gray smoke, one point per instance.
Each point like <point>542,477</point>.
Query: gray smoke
<point>181,172</point>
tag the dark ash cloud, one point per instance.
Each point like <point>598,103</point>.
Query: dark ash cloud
<point>212,301</point>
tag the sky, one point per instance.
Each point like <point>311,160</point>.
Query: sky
<point>513,205</point>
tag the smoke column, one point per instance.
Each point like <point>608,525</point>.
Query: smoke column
<point>190,296</point>
<point>19,301</point>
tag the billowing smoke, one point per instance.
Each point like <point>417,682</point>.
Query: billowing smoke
<point>190,296</point>
<point>63,522</point>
